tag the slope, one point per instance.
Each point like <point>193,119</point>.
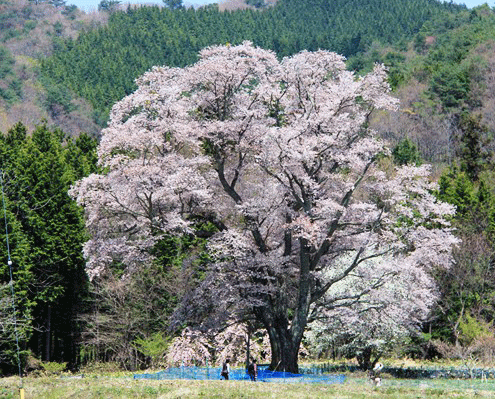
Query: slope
<point>101,64</point>
<point>29,32</point>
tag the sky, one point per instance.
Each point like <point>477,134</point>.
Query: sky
<point>474,3</point>
<point>91,5</point>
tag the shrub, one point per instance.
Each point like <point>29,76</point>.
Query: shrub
<point>51,368</point>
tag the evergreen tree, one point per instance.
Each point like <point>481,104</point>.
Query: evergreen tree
<point>40,169</point>
<point>108,5</point>
<point>16,276</point>
<point>173,4</point>
<point>406,153</point>
<point>474,142</point>
<point>102,64</point>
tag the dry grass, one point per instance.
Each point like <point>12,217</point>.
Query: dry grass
<point>124,386</point>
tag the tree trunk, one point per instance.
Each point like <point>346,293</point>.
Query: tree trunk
<point>365,360</point>
<point>285,350</point>
<point>286,334</point>
<point>48,334</point>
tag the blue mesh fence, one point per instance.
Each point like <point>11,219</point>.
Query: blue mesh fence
<point>422,372</point>
<point>264,375</point>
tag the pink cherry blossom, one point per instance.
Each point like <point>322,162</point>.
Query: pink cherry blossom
<point>278,154</point>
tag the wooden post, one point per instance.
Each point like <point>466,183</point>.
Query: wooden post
<point>248,344</point>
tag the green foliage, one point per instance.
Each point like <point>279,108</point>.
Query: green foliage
<point>16,329</point>
<point>472,329</point>
<point>81,155</point>
<point>452,61</point>
<point>460,184</point>
<point>58,28</point>
<point>6,62</point>
<point>122,385</point>
<point>474,154</point>
<point>394,62</point>
<point>451,85</point>
<point>466,309</point>
<point>10,85</point>
<point>406,153</point>
<point>451,55</point>
<point>53,368</point>
<point>139,38</point>
<point>47,233</point>
<point>153,347</point>
<point>456,188</point>
<point>419,43</point>
<point>58,99</point>
<point>123,310</point>
<point>173,4</point>
<point>108,5</point>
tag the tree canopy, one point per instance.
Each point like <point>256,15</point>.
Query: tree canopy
<point>276,155</point>
<point>102,64</point>
<point>46,232</point>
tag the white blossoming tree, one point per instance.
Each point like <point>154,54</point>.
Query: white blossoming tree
<point>379,319</point>
<point>278,156</point>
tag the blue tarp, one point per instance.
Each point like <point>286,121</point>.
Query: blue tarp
<point>264,375</point>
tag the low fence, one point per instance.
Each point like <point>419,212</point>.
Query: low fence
<point>406,372</point>
<point>322,373</point>
<point>264,375</point>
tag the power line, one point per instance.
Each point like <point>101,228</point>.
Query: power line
<point>9,263</point>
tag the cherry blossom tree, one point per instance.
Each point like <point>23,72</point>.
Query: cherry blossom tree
<point>278,156</point>
<point>380,319</point>
<point>195,347</point>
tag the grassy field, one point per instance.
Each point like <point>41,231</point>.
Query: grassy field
<point>124,386</point>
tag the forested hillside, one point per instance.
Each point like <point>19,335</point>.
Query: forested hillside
<point>101,65</point>
<point>445,81</point>
<point>447,71</point>
<point>30,31</point>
